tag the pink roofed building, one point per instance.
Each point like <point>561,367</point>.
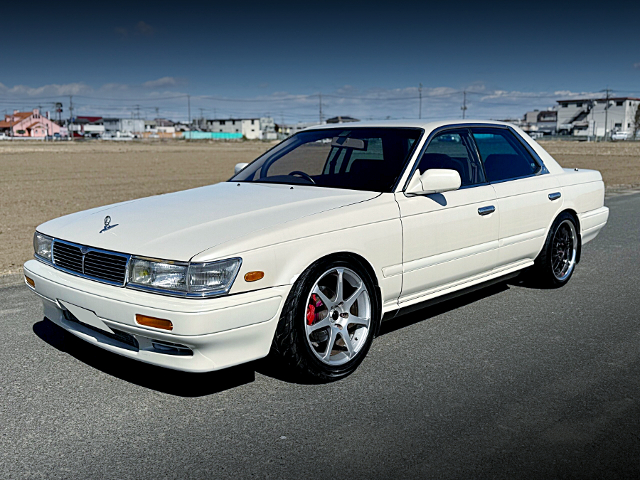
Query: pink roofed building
<point>28,124</point>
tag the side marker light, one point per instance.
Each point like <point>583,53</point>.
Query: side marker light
<point>154,322</point>
<point>253,276</point>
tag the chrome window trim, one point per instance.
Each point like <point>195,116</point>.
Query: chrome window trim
<point>437,131</point>
<point>542,171</point>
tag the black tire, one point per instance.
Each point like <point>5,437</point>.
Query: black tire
<point>546,271</point>
<point>290,344</point>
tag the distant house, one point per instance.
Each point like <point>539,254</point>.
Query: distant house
<point>544,121</point>
<point>283,130</point>
<point>28,124</point>
<point>587,116</point>
<point>251,128</point>
<point>88,127</point>
<point>130,126</point>
<point>159,128</point>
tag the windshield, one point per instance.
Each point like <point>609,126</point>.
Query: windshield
<point>354,158</point>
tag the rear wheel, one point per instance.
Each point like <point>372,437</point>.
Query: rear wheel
<point>557,261</point>
<point>329,319</point>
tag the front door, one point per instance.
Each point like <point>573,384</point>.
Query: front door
<point>448,237</point>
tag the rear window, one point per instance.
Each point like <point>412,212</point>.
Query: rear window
<point>502,154</point>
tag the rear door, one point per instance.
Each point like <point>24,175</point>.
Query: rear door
<point>452,236</point>
<point>528,198</point>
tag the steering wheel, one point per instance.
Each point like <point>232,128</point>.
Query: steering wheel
<point>306,176</point>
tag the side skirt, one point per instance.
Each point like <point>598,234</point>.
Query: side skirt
<point>443,298</point>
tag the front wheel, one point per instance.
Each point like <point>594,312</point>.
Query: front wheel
<point>557,260</point>
<point>329,319</point>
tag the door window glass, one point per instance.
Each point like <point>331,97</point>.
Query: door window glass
<point>504,157</point>
<point>453,150</point>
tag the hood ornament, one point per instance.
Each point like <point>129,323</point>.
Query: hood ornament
<point>107,224</point>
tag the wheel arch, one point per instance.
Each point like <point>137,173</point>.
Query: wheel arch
<point>366,265</point>
<point>575,217</point>
<point>574,214</point>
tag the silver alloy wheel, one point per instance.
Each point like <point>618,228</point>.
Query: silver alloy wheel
<point>564,248</point>
<point>338,316</point>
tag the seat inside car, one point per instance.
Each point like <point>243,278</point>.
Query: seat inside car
<point>441,160</point>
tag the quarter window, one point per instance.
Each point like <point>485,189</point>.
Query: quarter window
<point>453,150</point>
<point>504,157</point>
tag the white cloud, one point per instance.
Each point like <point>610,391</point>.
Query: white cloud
<point>47,90</point>
<point>161,82</point>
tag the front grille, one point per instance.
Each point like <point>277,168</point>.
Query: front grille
<point>96,264</point>
<point>105,266</point>
<point>67,256</point>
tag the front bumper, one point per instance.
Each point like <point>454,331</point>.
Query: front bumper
<point>209,334</point>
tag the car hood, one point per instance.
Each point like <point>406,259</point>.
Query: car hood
<point>179,225</point>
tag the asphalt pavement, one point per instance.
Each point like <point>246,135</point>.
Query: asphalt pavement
<point>508,382</point>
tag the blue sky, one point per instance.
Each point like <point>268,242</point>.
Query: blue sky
<point>367,59</point>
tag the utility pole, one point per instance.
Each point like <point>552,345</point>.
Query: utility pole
<point>189,110</point>
<point>420,95</point>
<point>320,106</point>
<point>71,116</point>
<point>464,104</point>
<point>606,114</point>
<point>157,113</point>
<point>201,122</point>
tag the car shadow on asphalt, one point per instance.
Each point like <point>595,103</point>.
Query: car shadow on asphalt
<point>271,367</point>
<point>433,310</point>
<point>163,380</point>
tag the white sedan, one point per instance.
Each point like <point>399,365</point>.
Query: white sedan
<point>305,250</point>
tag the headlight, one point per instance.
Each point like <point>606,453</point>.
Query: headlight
<point>158,274</point>
<point>42,246</point>
<point>195,279</point>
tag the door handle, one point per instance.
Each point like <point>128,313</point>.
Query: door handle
<point>486,210</point>
<point>554,196</point>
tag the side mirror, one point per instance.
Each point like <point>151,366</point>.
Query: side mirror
<point>434,180</point>
<point>239,167</point>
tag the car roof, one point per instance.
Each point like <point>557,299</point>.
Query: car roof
<point>426,125</point>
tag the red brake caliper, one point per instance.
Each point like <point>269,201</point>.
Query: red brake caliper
<point>311,309</point>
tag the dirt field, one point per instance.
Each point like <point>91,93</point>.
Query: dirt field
<point>619,162</point>
<point>44,181</point>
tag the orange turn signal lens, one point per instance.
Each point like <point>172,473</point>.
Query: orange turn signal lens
<point>253,276</point>
<point>154,322</point>
<point>30,281</point>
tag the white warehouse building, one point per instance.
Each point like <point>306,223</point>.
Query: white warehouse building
<point>251,128</point>
<point>587,117</point>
